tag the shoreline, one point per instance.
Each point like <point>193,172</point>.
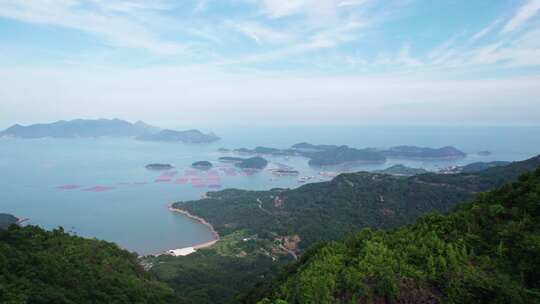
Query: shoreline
<point>215,235</point>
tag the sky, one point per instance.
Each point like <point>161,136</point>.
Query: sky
<point>200,62</point>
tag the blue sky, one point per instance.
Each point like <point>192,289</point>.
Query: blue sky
<point>271,61</point>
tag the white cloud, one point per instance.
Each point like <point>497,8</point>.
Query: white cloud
<point>317,40</point>
<point>118,22</point>
<point>486,30</point>
<point>315,8</point>
<point>527,11</point>
<point>262,34</point>
<point>406,58</point>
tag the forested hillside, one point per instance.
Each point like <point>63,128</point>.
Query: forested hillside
<point>486,251</point>
<point>331,210</point>
<point>38,266</point>
<point>258,227</point>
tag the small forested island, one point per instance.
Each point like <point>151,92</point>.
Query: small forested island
<point>402,170</point>
<point>332,155</point>
<point>202,165</point>
<point>83,128</point>
<point>159,167</point>
<point>7,220</point>
<point>252,163</point>
<point>245,163</point>
<point>189,136</point>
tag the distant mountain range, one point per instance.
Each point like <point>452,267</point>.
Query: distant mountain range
<point>106,127</point>
<point>332,155</point>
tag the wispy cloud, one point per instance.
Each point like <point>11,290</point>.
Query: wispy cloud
<point>119,23</point>
<point>485,31</point>
<point>262,34</point>
<point>526,12</point>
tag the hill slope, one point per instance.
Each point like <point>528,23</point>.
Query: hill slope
<point>258,227</point>
<point>330,210</point>
<point>487,251</point>
<point>38,266</point>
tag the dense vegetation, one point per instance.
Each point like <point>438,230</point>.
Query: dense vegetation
<point>212,276</point>
<point>402,170</point>
<point>6,220</point>
<point>38,266</point>
<point>487,251</point>
<point>331,210</point>
<point>279,223</point>
<point>479,166</point>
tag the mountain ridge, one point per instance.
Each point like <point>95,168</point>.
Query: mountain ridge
<point>77,128</point>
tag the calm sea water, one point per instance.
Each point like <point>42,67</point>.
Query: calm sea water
<point>134,213</point>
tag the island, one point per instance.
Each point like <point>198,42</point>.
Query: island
<point>333,155</point>
<point>252,163</point>
<point>89,128</point>
<point>189,136</point>
<point>412,152</point>
<point>80,128</point>
<point>343,155</point>
<point>202,165</point>
<point>7,220</point>
<point>401,170</point>
<point>159,167</point>
<point>256,162</point>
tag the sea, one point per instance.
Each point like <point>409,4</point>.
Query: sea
<point>99,187</point>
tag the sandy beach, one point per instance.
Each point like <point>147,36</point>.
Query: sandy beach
<point>202,221</point>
